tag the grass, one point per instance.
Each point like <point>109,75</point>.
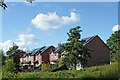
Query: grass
<point>97,72</point>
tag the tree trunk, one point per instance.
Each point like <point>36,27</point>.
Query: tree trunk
<point>75,66</point>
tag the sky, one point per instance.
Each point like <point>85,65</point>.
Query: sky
<point>47,23</point>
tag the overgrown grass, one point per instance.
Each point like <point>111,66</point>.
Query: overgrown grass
<point>97,72</point>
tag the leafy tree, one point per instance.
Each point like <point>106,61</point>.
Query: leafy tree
<point>114,43</point>
<point>2,57</point>
<point>75,51</point>
<point>13,52</point>
<point>9,68</point>
<point>3,5</point>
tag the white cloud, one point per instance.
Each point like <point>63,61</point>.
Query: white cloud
<point>116,28</point>
<point>73,9</point>
<point>52,21</point>
<point>23,41</point>
<point>29,39</point>
<point>6,45</point>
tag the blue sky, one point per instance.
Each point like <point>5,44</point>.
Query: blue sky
<point>21,24</point>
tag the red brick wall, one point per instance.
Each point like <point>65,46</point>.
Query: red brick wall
<point>100,54</point>
<point>45,55</point>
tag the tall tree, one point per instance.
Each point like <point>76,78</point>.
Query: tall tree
<point>114,43</point>
<point>13,52</point>
<point>2,57</point>
<point>75,51</point>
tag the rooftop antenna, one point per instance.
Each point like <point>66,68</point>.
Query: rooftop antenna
<point>30,1</point>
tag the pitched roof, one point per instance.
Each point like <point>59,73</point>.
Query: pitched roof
<point>88,39</point>
<point>37,51</point>
<point>84,41</point>
<point>57,49</point>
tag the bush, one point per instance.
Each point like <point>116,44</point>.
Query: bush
<point>54,67</point>
<point>46,67</point>
<point>92,73</point>
<point>8,70</point>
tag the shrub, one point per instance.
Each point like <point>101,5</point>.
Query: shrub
<point>54,67</point>
<point>46,67</point>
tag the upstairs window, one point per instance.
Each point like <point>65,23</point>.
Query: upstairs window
<point>55,54</point>
<point>51,55</point>
<point>36,57</point>
<point>31,57</point>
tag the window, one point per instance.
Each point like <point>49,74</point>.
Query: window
<point>51,55</point>
<point>31,57</point>
<point>55,54</point>
<point>36,57</point>
<point>21,59</point>
<point>27,58</point>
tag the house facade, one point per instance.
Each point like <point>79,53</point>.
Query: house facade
<point>100,54</point>
<point>36,57</point>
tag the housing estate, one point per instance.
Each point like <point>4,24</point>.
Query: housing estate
<point>34,58</point>
<point>100,54</point>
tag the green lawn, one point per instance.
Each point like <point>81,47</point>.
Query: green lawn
<point>107,71</point>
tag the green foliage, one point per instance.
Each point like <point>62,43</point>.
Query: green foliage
<point>2,57</point>
<point>61,63</point>
<point>46,67</point>
<point>114,44</point>
<point>77,53</point>
<point>13,52</point>
<point>8,70</point>
<point>55,67</point>
<point>107,71</point>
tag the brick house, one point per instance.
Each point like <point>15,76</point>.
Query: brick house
<point>99,56</point>
<point>101,52</point>
<point>35,57</point>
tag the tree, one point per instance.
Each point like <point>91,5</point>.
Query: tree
<point>13,52</point>
<point>2,57</point>
<point>113,42</point>
<point>3,5</point>
<point>76,52</point>
<point>9,69</point>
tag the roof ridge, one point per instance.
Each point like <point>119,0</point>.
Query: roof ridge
<point>91,38</point>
